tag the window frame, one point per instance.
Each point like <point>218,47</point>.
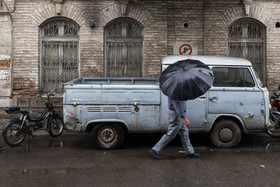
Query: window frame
<point>250,43</point>
<point>60,39</point>
<point>122,40</point>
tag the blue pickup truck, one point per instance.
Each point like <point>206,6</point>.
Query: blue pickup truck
<point>109,108</point>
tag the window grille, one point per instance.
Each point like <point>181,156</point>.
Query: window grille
<point>124,49</point>
<point>246,39</point>
<point>59,54</point>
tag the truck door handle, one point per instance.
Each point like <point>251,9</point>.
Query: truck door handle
<point>213,98</point>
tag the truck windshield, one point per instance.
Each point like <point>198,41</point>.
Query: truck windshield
<point>258,79</point>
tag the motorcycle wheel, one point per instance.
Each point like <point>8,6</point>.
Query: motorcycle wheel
<point>13,133</point>
<point>274,129</point>
<point>55,126</point>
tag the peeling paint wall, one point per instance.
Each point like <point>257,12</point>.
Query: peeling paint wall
<point>23,86</point>
<point>5,63</point>
<point>5,55</point>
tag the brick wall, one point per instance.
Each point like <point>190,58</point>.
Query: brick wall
<point>163,22</point>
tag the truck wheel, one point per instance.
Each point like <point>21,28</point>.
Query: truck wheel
<point>107,136</point>
<point>225,133</point>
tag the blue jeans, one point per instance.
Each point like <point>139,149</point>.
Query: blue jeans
<point>176,126</point>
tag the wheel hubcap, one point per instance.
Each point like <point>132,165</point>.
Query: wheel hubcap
<point>107,136</point>
<point>226,135</point>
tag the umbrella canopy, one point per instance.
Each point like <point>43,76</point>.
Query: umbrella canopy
<point>186,79</point>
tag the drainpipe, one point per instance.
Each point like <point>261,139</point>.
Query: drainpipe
<point>203,30</point>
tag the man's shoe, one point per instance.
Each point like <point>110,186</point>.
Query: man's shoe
<point>1,148</point>
<point>194,155</point>
<point>155,154</point>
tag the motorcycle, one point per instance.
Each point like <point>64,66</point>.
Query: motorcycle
<point>273,129</point>
<point>275,102</point>
<point>15,131</point>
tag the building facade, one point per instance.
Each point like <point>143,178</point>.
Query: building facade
<point>44,43</point>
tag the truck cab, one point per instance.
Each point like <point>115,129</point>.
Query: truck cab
<point>237,102</point>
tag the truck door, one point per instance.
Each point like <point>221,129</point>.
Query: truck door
<point>235,93</point>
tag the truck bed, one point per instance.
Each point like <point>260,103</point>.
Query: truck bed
<point>112,91</point>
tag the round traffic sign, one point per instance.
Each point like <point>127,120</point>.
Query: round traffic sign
<point>185,49</point>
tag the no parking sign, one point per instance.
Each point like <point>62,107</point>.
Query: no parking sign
<point>185,48</point>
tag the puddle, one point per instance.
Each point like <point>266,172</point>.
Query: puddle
<point>250,143</point>
<point>40,142</point>
<point>273,146</point>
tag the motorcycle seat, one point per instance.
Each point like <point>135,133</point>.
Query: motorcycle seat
<point>11,110</point>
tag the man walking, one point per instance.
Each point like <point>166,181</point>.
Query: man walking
<point>178,124</point>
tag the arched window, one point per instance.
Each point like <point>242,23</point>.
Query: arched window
<point>124,48</point>
<point>246,39</point>
<point>59,53</point>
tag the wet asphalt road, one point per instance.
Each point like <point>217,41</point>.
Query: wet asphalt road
<point>70,160</point>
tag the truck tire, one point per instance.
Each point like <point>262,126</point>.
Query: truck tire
<point>225,133</point>
<point>107,136</point>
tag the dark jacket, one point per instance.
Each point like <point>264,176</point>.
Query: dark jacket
<point>179,107</point>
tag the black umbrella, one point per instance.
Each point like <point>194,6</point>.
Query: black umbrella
<point>186,79</point>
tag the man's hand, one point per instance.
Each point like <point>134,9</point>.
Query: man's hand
<point>186,121</point>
